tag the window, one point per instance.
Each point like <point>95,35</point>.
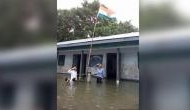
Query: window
<point>61,60</point>
<point>95,59</point>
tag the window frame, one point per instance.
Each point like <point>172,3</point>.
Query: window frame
<point>61,58</point>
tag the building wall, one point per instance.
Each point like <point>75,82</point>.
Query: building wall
<point>68,63</point>
<point>129,61</point>
<point>129,64</point>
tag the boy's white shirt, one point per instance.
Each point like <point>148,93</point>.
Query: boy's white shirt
<point>73,74</point>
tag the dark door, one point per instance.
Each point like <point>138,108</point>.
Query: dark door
<point>84,64</point>
<point>76,61</point>
<point>111,67</point>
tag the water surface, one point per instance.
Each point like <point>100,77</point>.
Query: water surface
<point>92,96</point>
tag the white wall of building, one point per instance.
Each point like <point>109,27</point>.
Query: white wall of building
<point>129,64</point>
<point>68,63</point>
<point>129,61</point>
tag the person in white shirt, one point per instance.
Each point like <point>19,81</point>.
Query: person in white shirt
<point>73,72</point>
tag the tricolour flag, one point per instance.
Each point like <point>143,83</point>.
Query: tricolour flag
<point>105,12</point>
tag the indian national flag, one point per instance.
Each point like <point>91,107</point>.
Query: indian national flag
<point>105,12</point>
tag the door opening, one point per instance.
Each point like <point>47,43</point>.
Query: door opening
<point>76,62</point>
<point>84,64</point>
<point>111,65</point>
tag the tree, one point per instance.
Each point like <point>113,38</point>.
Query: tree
<point>78,23</point>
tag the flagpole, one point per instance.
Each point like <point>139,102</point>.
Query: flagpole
<point>90,50</point>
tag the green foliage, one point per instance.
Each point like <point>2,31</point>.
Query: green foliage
<point>78,23</point>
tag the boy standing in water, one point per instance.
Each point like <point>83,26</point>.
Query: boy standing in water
<point>73,72</point>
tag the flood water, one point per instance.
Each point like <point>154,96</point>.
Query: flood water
<point>92,96</point>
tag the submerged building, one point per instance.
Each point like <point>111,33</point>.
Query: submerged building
<point>118,54</point>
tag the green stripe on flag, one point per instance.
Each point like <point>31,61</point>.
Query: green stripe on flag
<point>102,16</point>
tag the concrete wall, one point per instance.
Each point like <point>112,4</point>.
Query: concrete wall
<point>68,63</point>
<point>129,61</point>
<point>129,64</point>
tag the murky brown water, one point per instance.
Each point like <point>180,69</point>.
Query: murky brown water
<point>92,96</point>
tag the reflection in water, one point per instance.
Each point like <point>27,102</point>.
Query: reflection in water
<point>92,96</point>
<point>71,91</point>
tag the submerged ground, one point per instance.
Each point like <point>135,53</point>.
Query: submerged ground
<point>92,96</point>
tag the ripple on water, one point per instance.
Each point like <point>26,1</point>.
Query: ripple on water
<point>111,107</point>
<point>98,106</point>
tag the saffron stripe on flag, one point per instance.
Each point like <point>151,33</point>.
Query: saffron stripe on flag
<point>105,12</point>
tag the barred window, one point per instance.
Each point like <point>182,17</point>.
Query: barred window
<point>61,60</point>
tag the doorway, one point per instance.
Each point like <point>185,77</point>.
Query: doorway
<point>84,64</point>
<point>77,63</point>
<point>111,65</point>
